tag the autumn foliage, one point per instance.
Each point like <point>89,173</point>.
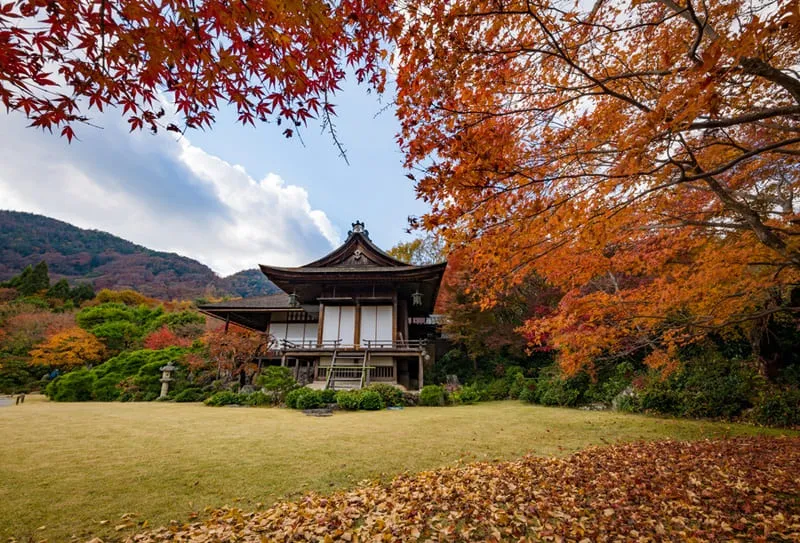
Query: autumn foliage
<point>163,338</point>
<point>642,157</point>
<point>232,350</point>
<point>271,60</point>
<point>69,349</point>
<point>740,490</point>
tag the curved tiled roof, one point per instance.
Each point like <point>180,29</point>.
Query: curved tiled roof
<point>279,300</point>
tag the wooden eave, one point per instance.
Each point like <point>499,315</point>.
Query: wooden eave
<point>404,273</point>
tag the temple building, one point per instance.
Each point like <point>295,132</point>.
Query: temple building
<point>355,316</point>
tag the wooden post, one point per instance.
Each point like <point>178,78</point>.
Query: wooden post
<point>227,321</point>
<point>394,317</point>
<point>357,325</point>
<point>421,370</point>
<point>404,316</point>
<point>321,324</point>
<point>283,360</point>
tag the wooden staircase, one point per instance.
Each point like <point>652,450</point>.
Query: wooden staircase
<point>348,370</point>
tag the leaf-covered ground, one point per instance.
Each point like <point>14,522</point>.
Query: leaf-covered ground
<point>744,489</point>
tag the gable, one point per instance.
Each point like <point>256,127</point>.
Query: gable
<point>358,251</point>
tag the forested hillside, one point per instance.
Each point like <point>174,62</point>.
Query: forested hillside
<point>108,261</point>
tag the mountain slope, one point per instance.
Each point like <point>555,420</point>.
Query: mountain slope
<point>108,261</point>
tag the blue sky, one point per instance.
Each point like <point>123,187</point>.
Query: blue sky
<point>231,197</point>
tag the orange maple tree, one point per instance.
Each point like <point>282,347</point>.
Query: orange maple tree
<point>641,156</point>
<point>270,60</point>
<point>69,349</point>
<point>233,351</point>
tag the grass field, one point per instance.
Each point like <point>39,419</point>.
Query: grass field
<point>71,470</point>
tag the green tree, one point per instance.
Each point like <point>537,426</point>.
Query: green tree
<point>31,280</point>
<point>120,326</point>
<point>420,251</point>
<point>60,290</point>
<point>81,293</point>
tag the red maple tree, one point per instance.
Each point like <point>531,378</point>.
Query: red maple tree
<point>279,61</point>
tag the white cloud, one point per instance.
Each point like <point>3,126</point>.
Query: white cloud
<point>161,193</point>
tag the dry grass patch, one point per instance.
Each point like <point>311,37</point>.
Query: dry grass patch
<point>73,470</point>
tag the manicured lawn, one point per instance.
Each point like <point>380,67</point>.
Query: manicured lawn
<point>76,469</point>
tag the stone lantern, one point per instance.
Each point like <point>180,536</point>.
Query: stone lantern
<point>166,377</point>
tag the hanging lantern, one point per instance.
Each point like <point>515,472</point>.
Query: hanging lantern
<point>416,298</point>
<point>293,300</point>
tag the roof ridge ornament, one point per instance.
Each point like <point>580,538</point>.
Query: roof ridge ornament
<point>358,228</point>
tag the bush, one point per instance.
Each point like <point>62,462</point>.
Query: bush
<point>611,381</point>
<point>75,386</point>
<point>628,403</point>
<point>778,407</point>
<point>294,396</point>
<point>528,391</point>
<point>349,399</point>
<point>226,397</point>
<point>391,395</point>
<point>410,399</point>
<point>190,395</point>
<point>553,389</point>
<point>258,399</point>
<point>466,395</point>
<point>312,400</point>
<point>498,389</point>
<point>106,388</point>
<point>516,386</point>
<point>432,395</point>
<point>16,375</point>
<point>370,401</point>
<point>708,386</point>
<point>278,381</point>
<point>137,375</point>
<point>327,396</point>
<point>660,397</point>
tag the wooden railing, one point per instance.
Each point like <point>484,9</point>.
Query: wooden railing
<point>337,344</point>
<point>415,344</point>
<point>376,373</point>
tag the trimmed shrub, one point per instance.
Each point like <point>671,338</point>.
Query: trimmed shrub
<point>466,395</point>
<point>105,389</point>
<point>190,395</point>
<point>226,397</point>
<point>432,395</point>
<point>294,396</point>
<point>327,396</point>
<point>349,399</point>
<point>258,399</point>
<point>778,407</point>
<point>370,401</point>
<point>391,395</point>
<point>312,400</point>
<point>75,386</point>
